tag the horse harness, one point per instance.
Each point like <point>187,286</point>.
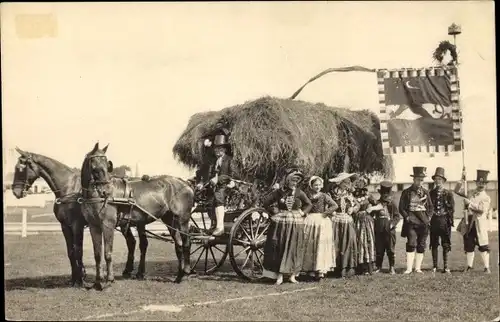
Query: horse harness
<point>65,199</point>
<point>127,200</point>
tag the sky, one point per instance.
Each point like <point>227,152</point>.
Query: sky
<point>131,74</point>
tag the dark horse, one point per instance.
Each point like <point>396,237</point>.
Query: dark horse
<point>65,184</point>
<point>107,201</point>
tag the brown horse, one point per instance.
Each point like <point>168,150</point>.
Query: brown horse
<point>65,184</point>
<point>107,201</point>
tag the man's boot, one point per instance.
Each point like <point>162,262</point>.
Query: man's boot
<point>486,261</point>
<point>434,252</point>
<point>410,257</point>
<point>392,260</point>
<point>378,262</point>
<point>419,257</point>
<point>219,215</point>
<point>445,261</point>
<point>470,261</point>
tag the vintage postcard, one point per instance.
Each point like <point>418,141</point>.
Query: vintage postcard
<point>305,160</point>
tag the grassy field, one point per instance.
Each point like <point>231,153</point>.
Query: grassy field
<point>36,275</point>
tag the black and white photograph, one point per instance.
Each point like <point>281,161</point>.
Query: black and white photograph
<point>250,161</point>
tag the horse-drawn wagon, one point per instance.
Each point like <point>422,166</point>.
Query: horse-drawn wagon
<point>267,135</point>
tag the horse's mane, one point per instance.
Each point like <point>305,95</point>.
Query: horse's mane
<point>40,158</point>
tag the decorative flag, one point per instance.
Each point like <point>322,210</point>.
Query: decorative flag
<point>419,110</point>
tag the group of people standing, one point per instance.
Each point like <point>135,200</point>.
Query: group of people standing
<point>347,231</point>
<point>344,230</point>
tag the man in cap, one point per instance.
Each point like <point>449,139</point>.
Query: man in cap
<point>442,219</point>
<point>475,232</point>
<point>220,173</point>
<point>386,216</point>
<point>415,206</point>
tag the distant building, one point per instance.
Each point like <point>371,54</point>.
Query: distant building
<point>40,186</point>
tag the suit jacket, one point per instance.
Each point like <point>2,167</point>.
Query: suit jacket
<point>413,209</point>
<point>443,202</point>
<point>389,217</point>
<point>226,169</point>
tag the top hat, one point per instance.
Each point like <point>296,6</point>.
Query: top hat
<point>419,172</point>
<point>221,140</point>
<point>482,176</point>
<point>385,187</point>
<point>341,177</point>
<point>439,173</point>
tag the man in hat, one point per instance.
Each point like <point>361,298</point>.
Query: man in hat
<point>442,219</point>
<point>387,217</point>
<point>415,206</point>
<point>475,232</point>
<point>220,175</point>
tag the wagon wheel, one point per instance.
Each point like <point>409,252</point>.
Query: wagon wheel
<point>246,243</point>
<point>207,254</point>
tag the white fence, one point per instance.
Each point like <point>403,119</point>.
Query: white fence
<point>26,226</point>
<point>34,200</point>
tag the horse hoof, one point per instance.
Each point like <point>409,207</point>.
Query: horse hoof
<point>139,276</point>
<point>77,284</point>
<point>98,287</point>
<point>126,274</point>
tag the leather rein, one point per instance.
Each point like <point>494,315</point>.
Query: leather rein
<point>65,199</point>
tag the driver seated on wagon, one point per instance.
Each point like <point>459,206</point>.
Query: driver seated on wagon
<point>219,174</point>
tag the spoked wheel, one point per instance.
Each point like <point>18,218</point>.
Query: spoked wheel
<point>207,254</point>
<point>246,243</point>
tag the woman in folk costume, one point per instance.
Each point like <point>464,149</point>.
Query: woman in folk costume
<point>319,253</point>
<point>363,221</point>
<point>475,231</point>
<point>283,251</point>
<point>344,232</point>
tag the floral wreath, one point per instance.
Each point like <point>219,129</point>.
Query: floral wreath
<point>440,51</point>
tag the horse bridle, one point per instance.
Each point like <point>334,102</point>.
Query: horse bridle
<point>22,168</point>
<point>94,183</point>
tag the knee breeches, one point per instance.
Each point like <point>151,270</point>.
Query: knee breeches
<point>417,238</point>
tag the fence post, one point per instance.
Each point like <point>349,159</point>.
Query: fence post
<point>24,223</point>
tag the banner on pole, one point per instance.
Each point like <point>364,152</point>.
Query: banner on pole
<point>419,110</point>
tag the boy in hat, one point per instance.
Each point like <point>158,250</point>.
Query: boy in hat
<point>475,232</point>
<point>442,219</point>
<point>387,217</point>
<point>415,206</point>
<point>220,173</point>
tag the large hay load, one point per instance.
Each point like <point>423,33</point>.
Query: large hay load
<point>270,134</point>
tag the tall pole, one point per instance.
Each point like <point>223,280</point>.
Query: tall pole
<point>455,30</point>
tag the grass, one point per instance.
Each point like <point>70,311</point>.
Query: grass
<point>36,272</point>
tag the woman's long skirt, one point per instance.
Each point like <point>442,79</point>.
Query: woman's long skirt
<point>319,253</point>
<point>344,240</point>
<point>283,251</point>
<point>365,232</point>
